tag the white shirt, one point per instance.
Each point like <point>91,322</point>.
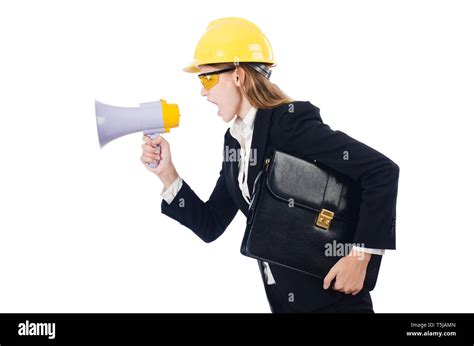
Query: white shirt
<point>242,131</point>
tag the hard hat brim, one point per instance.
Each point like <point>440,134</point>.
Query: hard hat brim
<point>191,68</point>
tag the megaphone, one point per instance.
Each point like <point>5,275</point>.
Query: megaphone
<point>152,118</point>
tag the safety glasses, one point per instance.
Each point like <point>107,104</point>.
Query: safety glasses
<point>210,79</point>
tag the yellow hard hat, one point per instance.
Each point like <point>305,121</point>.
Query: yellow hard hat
<point>234,40</point>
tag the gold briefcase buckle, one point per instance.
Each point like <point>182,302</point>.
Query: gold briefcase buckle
<point>324,218</point>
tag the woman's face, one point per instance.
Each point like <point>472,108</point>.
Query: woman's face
<point>225,94</point>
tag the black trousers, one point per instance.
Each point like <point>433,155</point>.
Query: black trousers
<point>295,292</point>
<point>360,303</point>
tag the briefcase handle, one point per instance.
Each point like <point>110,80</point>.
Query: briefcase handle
<point>257,184</point>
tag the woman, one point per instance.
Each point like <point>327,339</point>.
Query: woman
<point>233,59</point>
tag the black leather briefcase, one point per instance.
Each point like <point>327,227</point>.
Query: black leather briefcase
<point>303,216</point>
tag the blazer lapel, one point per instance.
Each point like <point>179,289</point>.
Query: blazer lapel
<point>233,166</point>
<point>259,144</point>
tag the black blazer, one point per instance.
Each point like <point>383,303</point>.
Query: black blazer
<point>297,128</point>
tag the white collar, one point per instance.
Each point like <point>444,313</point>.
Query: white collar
<point>240,126</point>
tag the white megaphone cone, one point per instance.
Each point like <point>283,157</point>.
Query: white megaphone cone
<point>151,118</point>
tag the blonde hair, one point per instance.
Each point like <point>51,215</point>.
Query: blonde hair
<point>258,90</point>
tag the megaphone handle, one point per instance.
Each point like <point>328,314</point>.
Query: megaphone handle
<point>154,164</point>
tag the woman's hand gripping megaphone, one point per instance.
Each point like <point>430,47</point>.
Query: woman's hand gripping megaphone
<point>156,152</point>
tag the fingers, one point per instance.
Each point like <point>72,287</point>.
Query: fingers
<point>357,288</point>
<point>151,150</point>
<point>151,153</point>
<point>341,287</point>
<point>329,277</point>
<point>154,155</point>
<point>154,142</point>
<point>340,284</point>
<point>157,146</point>
<point>146,159</point>
<point>147,140</point>
<point>156,150</point>
<point>158,140</point>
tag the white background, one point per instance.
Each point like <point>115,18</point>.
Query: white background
<point>81,228</point>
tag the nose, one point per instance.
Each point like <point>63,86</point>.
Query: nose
<point>204,92</point>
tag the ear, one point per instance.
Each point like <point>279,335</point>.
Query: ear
<point>239,76</point>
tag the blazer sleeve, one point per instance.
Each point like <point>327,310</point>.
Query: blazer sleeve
<point>303,133</point>
<point>208,220</point>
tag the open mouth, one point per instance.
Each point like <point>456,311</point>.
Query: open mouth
<point>218,107</point>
